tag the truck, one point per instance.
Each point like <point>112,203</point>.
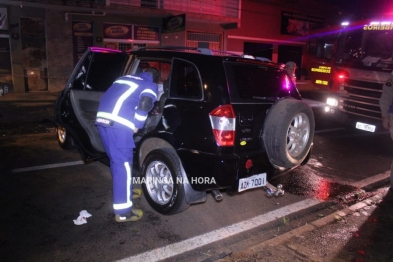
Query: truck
<point>352,64</point>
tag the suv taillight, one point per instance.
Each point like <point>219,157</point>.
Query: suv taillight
<point>223,122</point>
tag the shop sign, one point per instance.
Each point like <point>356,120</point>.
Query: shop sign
<point>299,24</point>
<point>117,31</point>
<point>80,28</point>
<point>174,23</point>
<point>82,33</point>
<point>148,33</point>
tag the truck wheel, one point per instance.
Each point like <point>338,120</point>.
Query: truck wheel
<point>64,139</point>
<point>163,183</point>
<point>289,132</point>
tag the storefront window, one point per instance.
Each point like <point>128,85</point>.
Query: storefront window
<point>34,54</point>
<point>5,66</point>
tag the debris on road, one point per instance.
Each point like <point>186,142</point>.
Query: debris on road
<point>83,215</point>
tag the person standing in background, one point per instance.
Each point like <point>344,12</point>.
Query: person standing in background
<point>290,67</point>
<point>386,105</point>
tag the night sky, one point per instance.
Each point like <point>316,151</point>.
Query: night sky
<point>365,8</point>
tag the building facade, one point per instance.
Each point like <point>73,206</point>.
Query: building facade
<point>42,40</point>
<point>279,30</point>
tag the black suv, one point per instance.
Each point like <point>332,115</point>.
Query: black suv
<point>221,122</point>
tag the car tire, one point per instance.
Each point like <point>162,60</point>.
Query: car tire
<point>64,139</point>
<point>289,132</point>
<point>162,182</point>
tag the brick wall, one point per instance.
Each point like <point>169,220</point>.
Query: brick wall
<point>59,49</point>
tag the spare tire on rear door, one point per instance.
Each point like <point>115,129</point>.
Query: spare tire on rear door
<point>288,132</point>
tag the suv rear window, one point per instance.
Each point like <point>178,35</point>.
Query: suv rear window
<point>253,81</point>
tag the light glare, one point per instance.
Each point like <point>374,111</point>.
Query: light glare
<point>331,101</point>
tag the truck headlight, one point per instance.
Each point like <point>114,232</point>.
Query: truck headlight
<point>331,101</point>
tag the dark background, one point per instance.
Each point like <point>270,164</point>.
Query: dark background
<point>364,8</point>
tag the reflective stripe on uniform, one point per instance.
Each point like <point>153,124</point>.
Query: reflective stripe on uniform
<point>150,92</point>
<point>139,117</point>
<point>117,119</point>
<point>128,203</point>
<point>114,115</point>
<point>124,96</point>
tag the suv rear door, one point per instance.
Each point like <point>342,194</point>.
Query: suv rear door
<point>77,105</point>
<point>254,89</point>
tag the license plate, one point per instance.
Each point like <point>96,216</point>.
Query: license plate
<point>365,127</point>
<point>254,181</point>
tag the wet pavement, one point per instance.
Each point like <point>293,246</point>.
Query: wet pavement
<point>361,230</point>
<point>314,186</point>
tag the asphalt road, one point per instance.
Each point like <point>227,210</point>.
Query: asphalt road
<point>43,188</point>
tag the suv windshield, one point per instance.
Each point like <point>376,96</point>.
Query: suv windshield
<point>255,81</point>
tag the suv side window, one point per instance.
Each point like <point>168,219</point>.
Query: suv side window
<point>185,81</point>
<point>163,67</point>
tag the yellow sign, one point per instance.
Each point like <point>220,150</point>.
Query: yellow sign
<point>321,82</point>
<point>322,69</point>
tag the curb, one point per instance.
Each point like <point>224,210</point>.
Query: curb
<point>30,96</point>
<point>338,215</point>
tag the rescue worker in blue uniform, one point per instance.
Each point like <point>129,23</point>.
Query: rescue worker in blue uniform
<point>123,110</point>
<point>386,105</point>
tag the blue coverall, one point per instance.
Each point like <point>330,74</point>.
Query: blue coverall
<point>118,115</point>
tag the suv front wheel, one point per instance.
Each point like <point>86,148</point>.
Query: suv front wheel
<point>289,132</point>
<point>163,184</point>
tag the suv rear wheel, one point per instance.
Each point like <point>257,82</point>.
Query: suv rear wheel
<point>163,183</point>
<point>289,132</point>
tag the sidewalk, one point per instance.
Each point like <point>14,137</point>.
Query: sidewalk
<point>26,112</point>
<point>361,232</point>
<point>30,96</point>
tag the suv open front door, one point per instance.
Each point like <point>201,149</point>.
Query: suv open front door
<point>78,103</point>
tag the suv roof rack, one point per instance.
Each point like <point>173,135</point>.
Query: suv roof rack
<point>205,51</point>
<point>172,48</point>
